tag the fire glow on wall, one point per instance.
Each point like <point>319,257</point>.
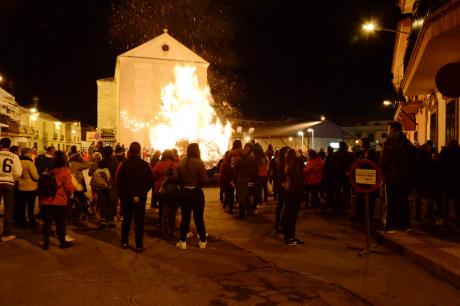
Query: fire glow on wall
<point>186,116</point>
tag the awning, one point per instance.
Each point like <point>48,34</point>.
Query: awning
<point>406,114</point>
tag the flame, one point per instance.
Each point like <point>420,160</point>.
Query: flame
<point>187,116</point>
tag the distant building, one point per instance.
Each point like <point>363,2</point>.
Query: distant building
<point>279,133</point>
<point>128,102</point>
<point>432,43</point>
<point>28,128</point>
<point>376,131</point>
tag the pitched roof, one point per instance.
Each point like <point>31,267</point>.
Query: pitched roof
<point>165,47</point>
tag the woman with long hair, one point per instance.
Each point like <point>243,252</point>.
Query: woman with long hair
<point>192,176</point>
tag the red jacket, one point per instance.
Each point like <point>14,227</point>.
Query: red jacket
<point>64,188</point>
<point>226,172</point>
<point>159,172</point>
<point>313,171</point>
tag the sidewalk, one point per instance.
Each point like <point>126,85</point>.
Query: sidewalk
<point>435,249</point>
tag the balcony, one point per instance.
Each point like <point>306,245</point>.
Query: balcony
<point>434,41</point>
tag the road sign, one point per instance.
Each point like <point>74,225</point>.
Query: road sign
<point>365,176</point>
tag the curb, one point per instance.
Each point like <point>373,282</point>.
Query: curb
<point>436,266</point>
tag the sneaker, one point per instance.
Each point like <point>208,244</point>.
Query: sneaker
<point>202,244</point>
<point>181,245</point>
<point>299,242</point>
<point>291,242</point>
<point>189,235</point>
<point>8,238</point>
<point>140,249</point>
<point>68,238</point>
<point>390,231</point>
<point>198,235</point>
<point>124,246</point>
<point>409,230</point>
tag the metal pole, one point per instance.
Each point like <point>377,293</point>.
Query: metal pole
<point>385,207</point>
<point>368,227</point>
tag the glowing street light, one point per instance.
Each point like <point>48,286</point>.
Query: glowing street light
<point>1,78</point>
<point>323,118</point>
<point>388,103</point>
<point>371,27</point>
<point>300,133</point>
<point>290,138</point>
<point>312,131</point>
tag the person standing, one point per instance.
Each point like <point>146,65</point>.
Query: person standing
<point>53,206</point>
<point>45,161</point>
<point>134,179</point>
<point>192,175</point>
<point>449,163</point>
<point>160,170</point>
<point>313,176</point>
<point>153,161</point>
<point>10,172</point>
<point>245,171</point>
<point>226,181</point>
<point>293,187</point>
<point>281,175</point>
<point>261,196</point>
<point>107,197</point>
<point>397,162</point>
<point>27,190</point>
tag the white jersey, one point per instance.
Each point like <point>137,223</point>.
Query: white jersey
<point>10,167</point>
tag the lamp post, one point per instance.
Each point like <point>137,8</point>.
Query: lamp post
<point>300,133</point>
<point>371,27</point>
<point>312,131</point>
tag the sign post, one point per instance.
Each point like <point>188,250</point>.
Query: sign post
<point>365,177</point>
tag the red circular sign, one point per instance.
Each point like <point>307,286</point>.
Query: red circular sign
<point>363,180</point>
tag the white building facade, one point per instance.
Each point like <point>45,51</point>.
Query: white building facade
<point>129,102</point>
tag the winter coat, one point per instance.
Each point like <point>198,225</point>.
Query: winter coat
<point>397,160</point>
<point>29,178</point>
<point>313,171</point>
<point>77,165</point>
<point>160,170</point>
<point>43,162</point>
<point>226,172</point>
<point>134,178</point>
<point>191,172</point>
<point>246,168</point>
<point>64,188</point>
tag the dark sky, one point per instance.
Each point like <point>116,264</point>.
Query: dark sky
<point>299,58</point>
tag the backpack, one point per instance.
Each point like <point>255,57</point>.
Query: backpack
<point>170,187</point>
<point>47,185</point>
<point>101,180</point>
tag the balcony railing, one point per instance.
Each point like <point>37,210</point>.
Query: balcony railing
<point>421,11</point>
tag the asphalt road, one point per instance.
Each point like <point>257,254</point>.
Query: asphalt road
<point>245,263</point>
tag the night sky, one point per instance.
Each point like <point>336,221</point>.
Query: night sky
<point>268,57</point>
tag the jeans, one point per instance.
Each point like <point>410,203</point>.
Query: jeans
<point>398,209</point>
<point>25,200</point>
<point>242,194</point>
<point>136,210</point>
<point>192,201</point>
<point>280,206</point>
<point>57,214</point>
<point>107,204</point>
<point>293,199</point>
<point>7,194</point>
<point>419,193</point>
<point>313,191</point>
<point>229,196</point>
<point>262,190</point>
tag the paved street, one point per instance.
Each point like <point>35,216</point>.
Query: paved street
<point>245,263</point>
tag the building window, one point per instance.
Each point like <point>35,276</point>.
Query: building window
<point>371,137</point>
<point>434,128</point>
<point>451,121</point>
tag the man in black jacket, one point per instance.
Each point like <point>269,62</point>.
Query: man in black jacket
<point>134,179</point>
<point>398,166</point>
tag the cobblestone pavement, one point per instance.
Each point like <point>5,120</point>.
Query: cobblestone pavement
<point>245,263</point>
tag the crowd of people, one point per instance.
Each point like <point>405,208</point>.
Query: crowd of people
<point>319,180</point>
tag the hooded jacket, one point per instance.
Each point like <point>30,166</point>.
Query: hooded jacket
<point>29,178</point>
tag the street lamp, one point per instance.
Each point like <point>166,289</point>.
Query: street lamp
<point>1,78</point>
<point>323,118</point>
<point>371,27</point>
<point>312,131</point>
<point>388,103</point>
<point>300,133</point>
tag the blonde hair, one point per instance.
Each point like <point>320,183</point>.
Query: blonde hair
<point>97,156</point>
